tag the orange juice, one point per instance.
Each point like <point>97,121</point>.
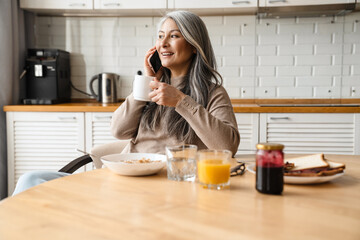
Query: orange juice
<point>213,171</point>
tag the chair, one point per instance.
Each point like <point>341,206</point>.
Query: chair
<point>96,152</point>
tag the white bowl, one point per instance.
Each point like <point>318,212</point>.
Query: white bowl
<point>115,162</point>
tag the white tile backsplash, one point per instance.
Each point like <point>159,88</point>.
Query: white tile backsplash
<point>258,58</point>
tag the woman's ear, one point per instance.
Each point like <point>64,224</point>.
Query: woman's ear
<point>194,51</point>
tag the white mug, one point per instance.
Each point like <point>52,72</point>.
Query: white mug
<point>141,88</point>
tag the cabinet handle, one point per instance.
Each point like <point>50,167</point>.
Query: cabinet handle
<point>240,2</point>
<point>106,117</point>
<point>111,4</point>
<point>67,118</point>
<point>279,118</point>
<point>277,1</point>
<point>77,4</point>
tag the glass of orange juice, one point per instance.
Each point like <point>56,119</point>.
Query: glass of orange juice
<point>213,168</point>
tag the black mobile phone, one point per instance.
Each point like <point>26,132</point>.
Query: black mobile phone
<point>155,61</point>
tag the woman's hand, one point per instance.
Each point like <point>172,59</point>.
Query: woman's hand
<point>148,68</point>
<point>165,94</point>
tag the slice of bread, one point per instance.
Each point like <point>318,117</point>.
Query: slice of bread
<point>312,165</point>
<point>308,162</point>
<point>334,165</point>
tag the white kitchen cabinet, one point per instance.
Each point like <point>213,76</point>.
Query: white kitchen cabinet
<point>211,4</point>
<point>97,131</point>
<point>130,4</point>
<point>284,3</point>
<point>312,132</point>
<point>42,141</point>
<point>248,125</point>
<point>48,140</point>
<point>55,4</point>
<point>206,7</point>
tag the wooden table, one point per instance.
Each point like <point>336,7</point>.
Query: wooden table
<point>101,205</point>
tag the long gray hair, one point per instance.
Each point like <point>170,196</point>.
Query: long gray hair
<point>201,80</point>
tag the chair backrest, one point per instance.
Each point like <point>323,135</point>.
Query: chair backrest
<point>96,153</point>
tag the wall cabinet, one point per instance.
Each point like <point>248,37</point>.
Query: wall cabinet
<point>157,7</point>
<point>283,3</point>
<point>55,4</point>
<point>211,4</point>
<point>130,4</point>
<point>139,7</point>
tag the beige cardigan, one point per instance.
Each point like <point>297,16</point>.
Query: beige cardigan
<point>215,126</point>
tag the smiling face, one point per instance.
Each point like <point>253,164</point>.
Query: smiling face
<point>174,51</point>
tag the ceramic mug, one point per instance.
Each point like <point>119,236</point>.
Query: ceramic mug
<point>141,88</point>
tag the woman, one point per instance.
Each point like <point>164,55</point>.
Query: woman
<point>188,103</point>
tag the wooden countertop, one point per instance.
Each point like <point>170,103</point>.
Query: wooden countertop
<point>240,106</point>
<point>101,205</point>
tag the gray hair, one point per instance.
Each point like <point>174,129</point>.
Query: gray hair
<point>201,80</point>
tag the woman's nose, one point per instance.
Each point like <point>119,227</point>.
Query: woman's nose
<point>164,42</point>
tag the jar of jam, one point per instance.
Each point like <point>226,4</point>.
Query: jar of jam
<point>269,168</point>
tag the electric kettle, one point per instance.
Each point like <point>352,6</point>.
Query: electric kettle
<point>106,87</point>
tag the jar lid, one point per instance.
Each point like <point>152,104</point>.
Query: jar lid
<point>270,146</point>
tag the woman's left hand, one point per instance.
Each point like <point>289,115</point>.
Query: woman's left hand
<point>165,94</point>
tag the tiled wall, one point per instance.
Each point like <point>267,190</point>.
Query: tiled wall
<point>266,58</point>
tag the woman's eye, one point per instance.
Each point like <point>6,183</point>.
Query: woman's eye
<point>174,36</point>
<point>160,36</point>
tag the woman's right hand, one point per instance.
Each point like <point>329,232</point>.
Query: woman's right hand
<point>147,67</point>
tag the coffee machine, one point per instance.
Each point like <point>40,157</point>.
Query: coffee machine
<point>47,76</point>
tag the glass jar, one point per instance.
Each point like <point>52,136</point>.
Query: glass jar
<point>269,168</point>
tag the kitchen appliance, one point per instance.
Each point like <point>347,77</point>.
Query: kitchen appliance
<point>106,87</point>
<point>47,76</point>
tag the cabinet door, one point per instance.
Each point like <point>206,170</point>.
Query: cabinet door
<point>280,3</point>
<point>130,4</point>
<point>98,129</point>
<point>248,125</point>
<point>212,3</point>
<point>312,133</point>
<point>42,141</point>
<point>55,4</point>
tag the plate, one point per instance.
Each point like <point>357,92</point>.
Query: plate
<point>301,180</point>
<point>116,163</point>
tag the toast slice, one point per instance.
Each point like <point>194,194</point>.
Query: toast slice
<point>308,162</point>
<point>312,165</point>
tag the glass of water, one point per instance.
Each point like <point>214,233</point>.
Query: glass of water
<point>181,162</point>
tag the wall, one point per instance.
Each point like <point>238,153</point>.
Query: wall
<point>266,58</point>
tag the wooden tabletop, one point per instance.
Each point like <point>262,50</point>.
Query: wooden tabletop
<point>102,205</point>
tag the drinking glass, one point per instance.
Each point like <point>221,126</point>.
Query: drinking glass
<point>181,162</point>
<point>214,168</point>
